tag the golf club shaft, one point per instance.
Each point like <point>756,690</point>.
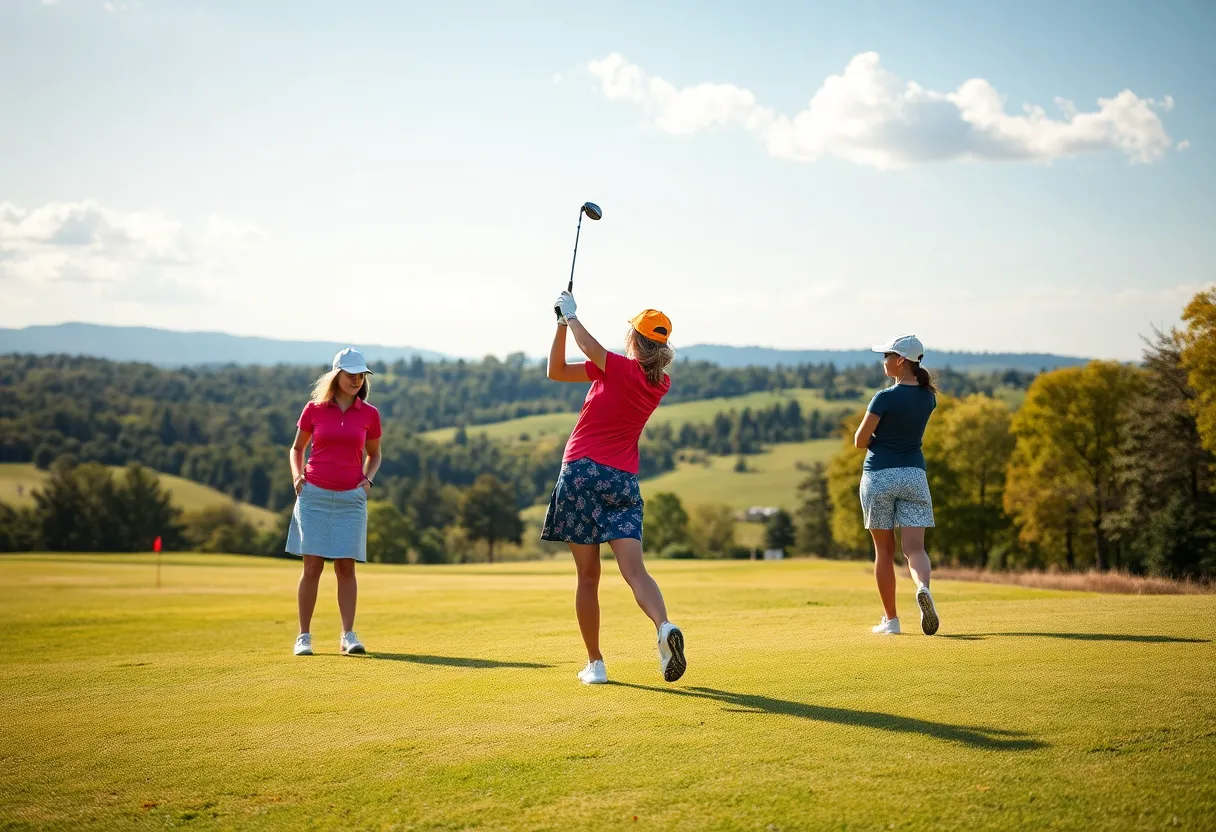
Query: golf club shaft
<point>570,285</point>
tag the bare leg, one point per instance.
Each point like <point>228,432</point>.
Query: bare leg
<point>348,592</point>
<point>913,541</point>
<point>306,592</point>
<point>884,568</point>
<point>645,591</point>
<point>587,596</point>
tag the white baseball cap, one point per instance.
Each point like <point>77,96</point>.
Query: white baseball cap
<point>907,346</point>
<point>351,360</point>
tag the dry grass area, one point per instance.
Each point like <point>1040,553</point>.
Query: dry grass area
<point>1112,583</point>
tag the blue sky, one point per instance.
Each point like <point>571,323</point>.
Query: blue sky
<point>410,173</point>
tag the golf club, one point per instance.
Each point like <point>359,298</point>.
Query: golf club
<point>593,212</point>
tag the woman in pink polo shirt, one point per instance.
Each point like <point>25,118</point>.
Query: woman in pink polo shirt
<point>329,521</point>
<point>596,499</point>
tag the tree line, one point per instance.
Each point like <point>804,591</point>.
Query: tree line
<point>228,428</point>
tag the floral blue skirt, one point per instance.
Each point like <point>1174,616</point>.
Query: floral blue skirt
<point>593,503</point>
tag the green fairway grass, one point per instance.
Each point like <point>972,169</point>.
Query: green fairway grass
<point>128,707</point>
<point>188,495</point>
<point>772,477</point>
<point>677,415</point>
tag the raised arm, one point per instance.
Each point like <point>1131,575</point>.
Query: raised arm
<point>586,342</point>
<point>559,370</point>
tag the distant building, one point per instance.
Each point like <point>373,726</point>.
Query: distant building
<point>758,514</point>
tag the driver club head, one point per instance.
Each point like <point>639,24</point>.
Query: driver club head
<point>592,210</point>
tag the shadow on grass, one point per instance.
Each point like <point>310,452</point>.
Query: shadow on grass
<point>455,661</point>
<point>996,739</point>
<point>1081,637</point>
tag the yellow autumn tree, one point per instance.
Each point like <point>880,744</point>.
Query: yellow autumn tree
<point>844,480</point>
<point>1199,359</point>
<point>1061,485</point>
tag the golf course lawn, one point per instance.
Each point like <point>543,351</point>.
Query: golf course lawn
<point>128,706</point>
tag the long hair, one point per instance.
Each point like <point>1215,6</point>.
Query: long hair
<point>325,388</point>
<point>654,356</point>
<point>923,377</point>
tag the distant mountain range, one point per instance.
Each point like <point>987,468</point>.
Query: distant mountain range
<point>169,348</point>
<point>975,361</point>
<point>175,349</point>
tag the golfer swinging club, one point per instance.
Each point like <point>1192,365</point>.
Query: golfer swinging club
<point>329,521</point>
<point>894,487</point>
<point>596,499</point>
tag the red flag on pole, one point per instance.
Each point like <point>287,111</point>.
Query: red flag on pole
<point>156,545</point>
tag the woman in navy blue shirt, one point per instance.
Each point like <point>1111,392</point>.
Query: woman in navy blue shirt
<point>894,488</point>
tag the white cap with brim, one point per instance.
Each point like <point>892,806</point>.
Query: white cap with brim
<point>351,360</point>
<point>906,346</point>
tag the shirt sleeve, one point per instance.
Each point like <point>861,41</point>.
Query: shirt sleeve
<point>305,422</point>
<point>593,372</point>
<point>878,404</point>
<point>374,430</point>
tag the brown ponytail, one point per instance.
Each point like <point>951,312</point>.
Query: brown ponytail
<point>652,355</point>
<point>923,377</point>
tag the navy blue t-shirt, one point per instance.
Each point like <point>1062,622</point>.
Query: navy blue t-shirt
<point>905,411</point>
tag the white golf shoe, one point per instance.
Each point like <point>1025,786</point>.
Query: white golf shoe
<point>594,673</point>
<point>886,627</point>
<point>303,644</point>
<point>350,644</point>
<point>671,652</point>
<point>929,622</point>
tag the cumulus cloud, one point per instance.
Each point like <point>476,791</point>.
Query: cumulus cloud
<point>872,117</point>
<point>90,243</point>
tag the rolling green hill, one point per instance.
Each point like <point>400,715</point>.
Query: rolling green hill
<point>530,428</point>
<point>16,481</point>
<point>771,479</point>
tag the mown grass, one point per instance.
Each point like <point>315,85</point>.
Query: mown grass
<point>18,479</point>
<point>129,707</point>
<point>530,428</point>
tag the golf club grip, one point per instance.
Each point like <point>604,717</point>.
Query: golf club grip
<point>558,309</point>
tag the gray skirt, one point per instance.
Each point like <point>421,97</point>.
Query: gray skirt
<point>329,524</point>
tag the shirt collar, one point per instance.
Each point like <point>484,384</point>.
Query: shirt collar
<point>358,405</point>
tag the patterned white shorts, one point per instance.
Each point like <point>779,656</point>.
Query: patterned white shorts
<point>896,497</point>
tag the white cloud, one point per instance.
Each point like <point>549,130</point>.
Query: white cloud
<point>870,116</point>
<point>1184,144</point>
<point>90,243</point>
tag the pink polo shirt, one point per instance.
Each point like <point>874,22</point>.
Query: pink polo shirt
<point>338,439</point>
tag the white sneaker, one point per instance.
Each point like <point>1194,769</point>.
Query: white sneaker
<point>303,644</point>
<point>887,627</point>
<point>929,622</point>
<point>671,652</point>
<point>594,673</point>
<point>350,644</point>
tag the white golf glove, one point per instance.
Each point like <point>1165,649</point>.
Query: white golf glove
<point>566,305</point>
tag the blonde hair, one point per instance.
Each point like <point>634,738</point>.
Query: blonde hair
<point>654,356</point>
<point>325,388</point>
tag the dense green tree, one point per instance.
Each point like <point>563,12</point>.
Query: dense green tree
<point>488,512</point>
<point>813,526</point>
<point>390,534</point>
<point>779,531</point>
<point>713,530</point>
<point>665,522</point>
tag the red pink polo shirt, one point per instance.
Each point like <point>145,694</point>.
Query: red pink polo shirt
<point>338,438</point>
<point>614,413</point>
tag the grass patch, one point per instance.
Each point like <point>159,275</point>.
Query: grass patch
<point>530,428</point>
<point>131,707</point>
<point>18,479</point>
<point>772,477</point>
